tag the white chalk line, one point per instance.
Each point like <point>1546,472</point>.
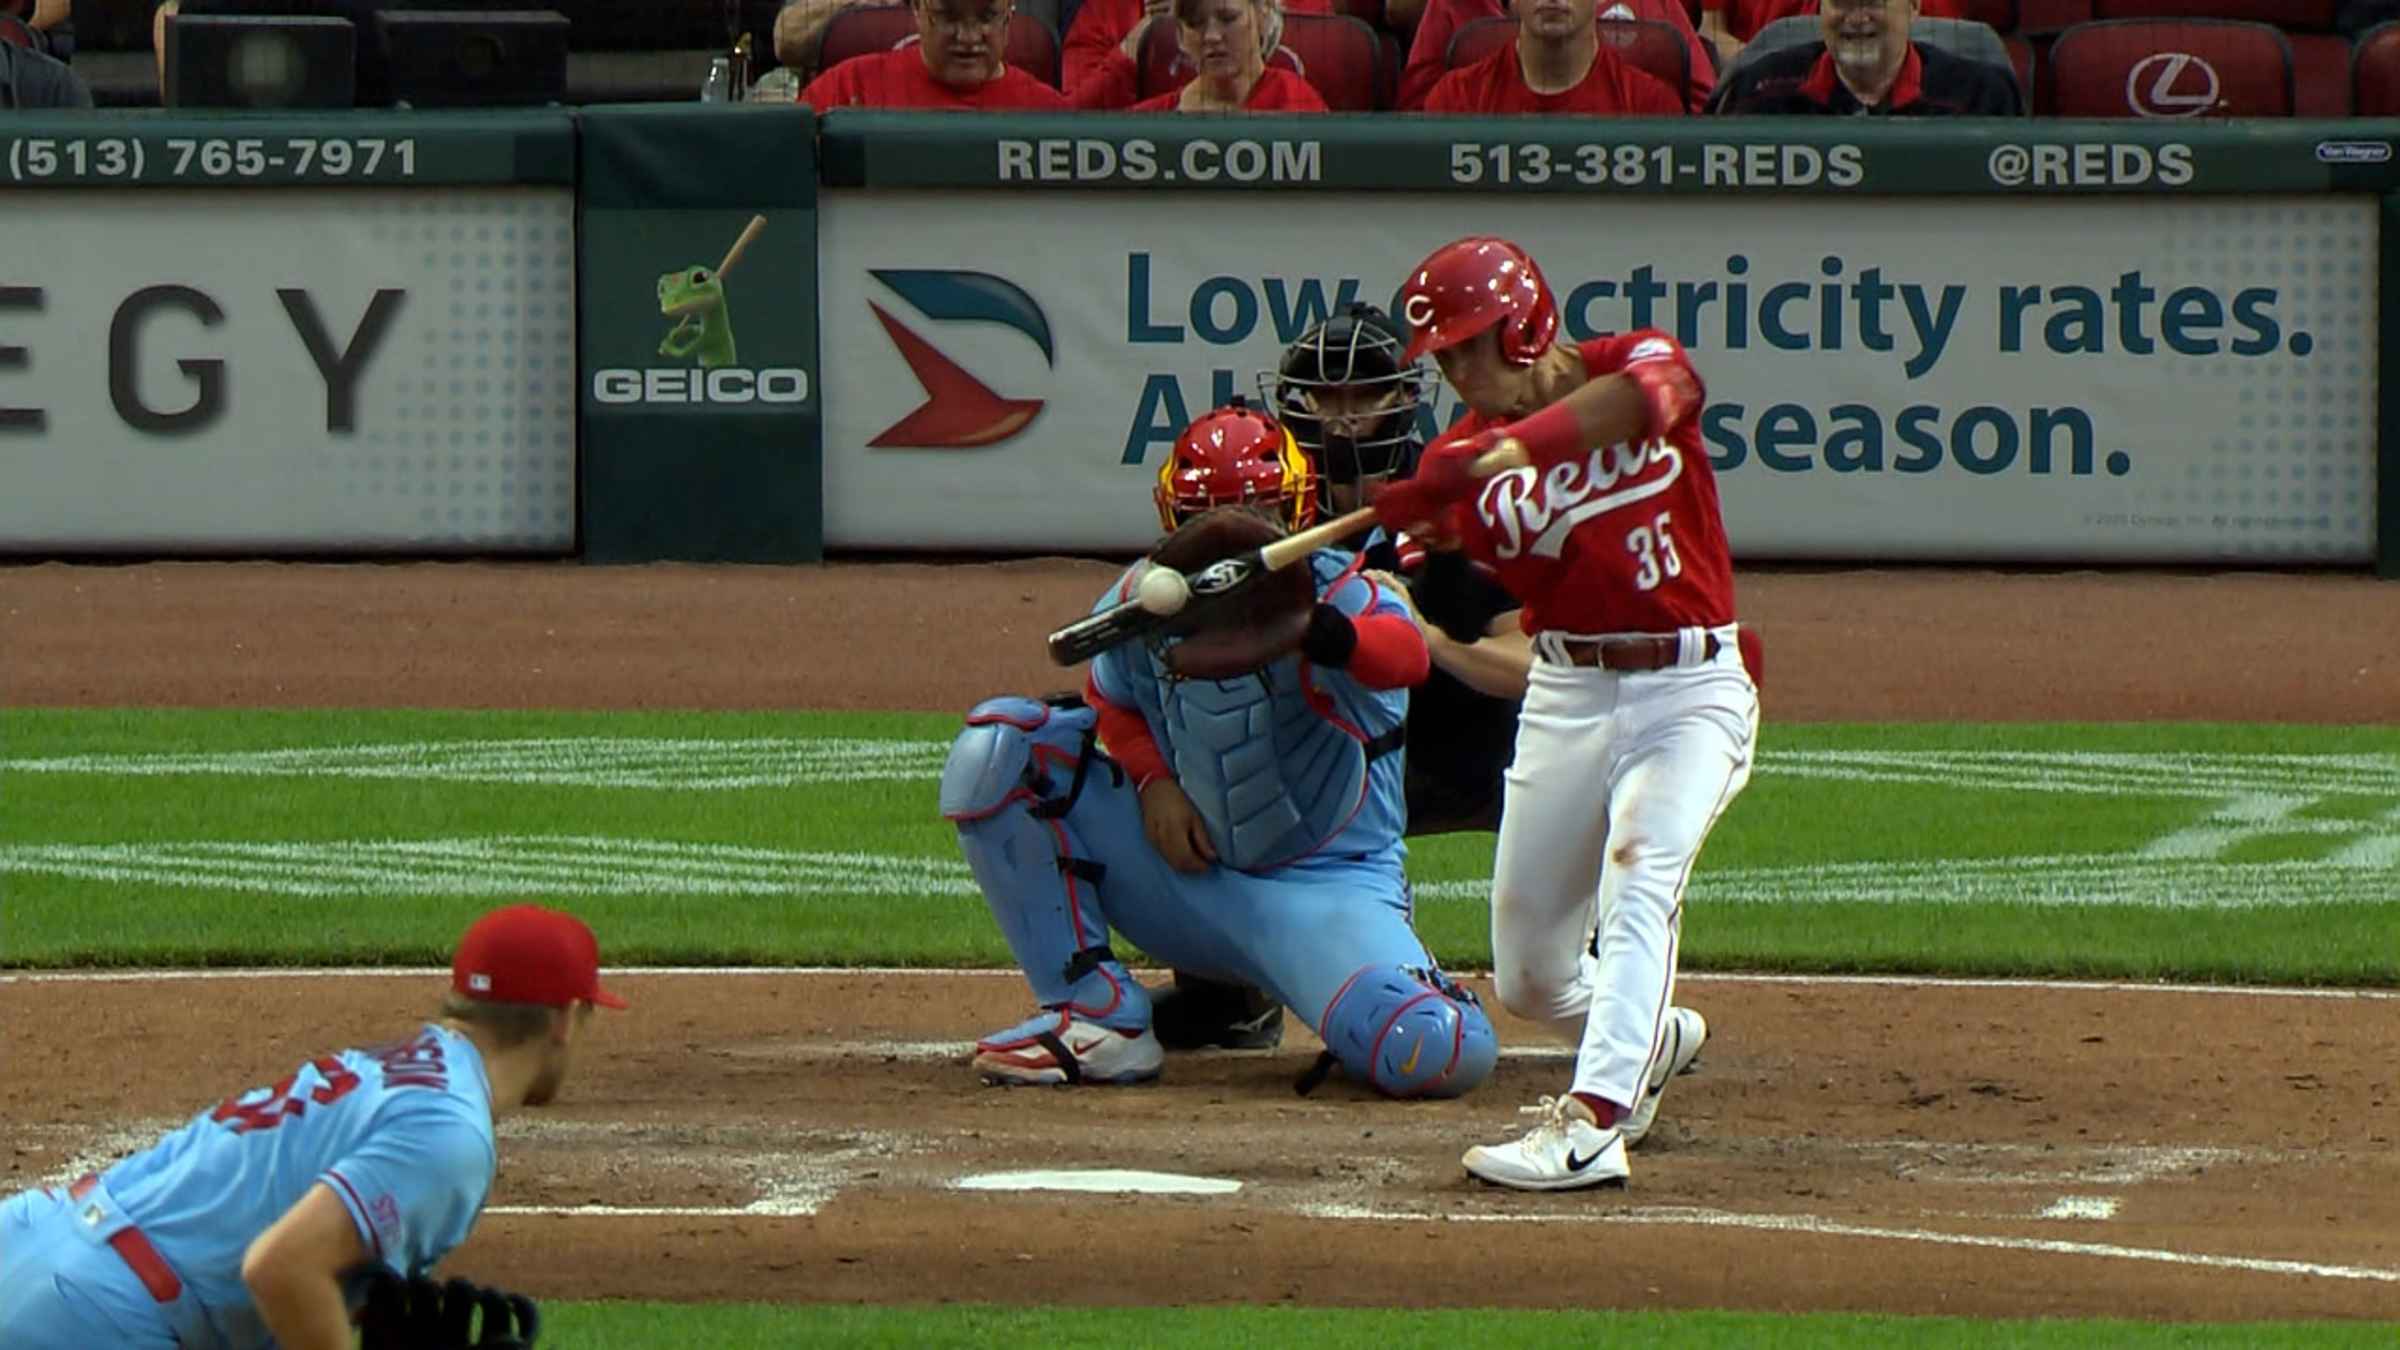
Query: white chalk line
<point>940,974</point>
<point>1677,1216</point>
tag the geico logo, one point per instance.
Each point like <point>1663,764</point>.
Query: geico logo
<point>781,384</point>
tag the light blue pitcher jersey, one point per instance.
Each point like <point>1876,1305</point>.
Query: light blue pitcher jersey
<point>1317,724</point>
<point>401,1132</point>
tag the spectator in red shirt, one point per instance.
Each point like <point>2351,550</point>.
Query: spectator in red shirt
<point>954,65</point>
<point>1558,65</point>
<point>1228,42</point>
<point>1443,18</point>
<point>1105,38</point>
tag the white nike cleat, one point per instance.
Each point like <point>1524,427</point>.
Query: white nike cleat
<point>1564,1151</point>
<point>1686,1031</point>
<point>1052,1047</point>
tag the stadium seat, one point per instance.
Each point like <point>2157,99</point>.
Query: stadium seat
<point>2000,14</point>
<point>2375,72</point>
<point>2036,17</point>
<point>14,32</point>
<point>1030,45</point>
<point>1656,48</point>
<point>1368,12</point>
<point>2020,59</point>
<point>1342,59</point>
<point>2168,68</point>
<point>2320,74</point>
<point>2315,14</point>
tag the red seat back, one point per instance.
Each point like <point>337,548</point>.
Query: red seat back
<point>1030,45</point>
<point>2000,14</point>
<point>14,32</point>
<point>2320,74</point>
<point>1477,40</point>
<point>2049,16</point>
<point>2020,55</point>
<point>2168,68</point>
<point>1656,49</point>
<point>2282,13</point>
<point>2375,72</point>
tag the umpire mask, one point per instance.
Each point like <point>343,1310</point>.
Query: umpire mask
<point>1350,401</point>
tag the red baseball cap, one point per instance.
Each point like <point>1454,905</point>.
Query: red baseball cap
<point>528,954</point>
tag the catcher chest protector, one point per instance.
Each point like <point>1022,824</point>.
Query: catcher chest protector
<point>1408,1032</point>
<point>1010,786</point>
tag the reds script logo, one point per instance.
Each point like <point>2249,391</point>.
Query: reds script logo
<point>1571,494</point>
<point>2156,87</point>
<point>959,412</point>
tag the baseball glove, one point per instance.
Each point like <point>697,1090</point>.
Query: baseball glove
<point>1252,627</point>
<point>422,1314</point>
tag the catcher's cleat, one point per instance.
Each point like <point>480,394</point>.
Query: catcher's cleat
<point>1196,1014</point>
<point>1564,1151</point>
<point>1679,1046</point>
<point>1052,1048</point>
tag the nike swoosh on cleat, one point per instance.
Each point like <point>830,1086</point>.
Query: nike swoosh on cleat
<point>1413,1055</point>
<point>1575,1164</point>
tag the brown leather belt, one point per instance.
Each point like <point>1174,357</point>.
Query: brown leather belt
<point>156,1275</point>
<point>1632,653</point>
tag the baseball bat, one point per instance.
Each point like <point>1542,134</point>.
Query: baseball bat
<point>1089,636</point>
<point>734,254</point>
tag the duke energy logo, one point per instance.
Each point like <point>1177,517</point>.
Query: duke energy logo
<point>959,412</point>
<point>699,316</point>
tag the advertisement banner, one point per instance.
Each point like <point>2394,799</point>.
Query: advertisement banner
<point>1949,379</point>
<point>1839,156</point>
<point>700,335</point>
<point>345,370</point>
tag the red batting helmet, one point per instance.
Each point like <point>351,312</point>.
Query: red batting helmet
<point>1472,284</point>
<point>1236,456</point>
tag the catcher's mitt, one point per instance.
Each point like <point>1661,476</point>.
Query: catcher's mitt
<point>1256,625</point>
<point>423,1314</point>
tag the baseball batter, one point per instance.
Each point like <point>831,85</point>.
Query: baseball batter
<point>258,1223</point>
<point>1639,720</point>
<point>1228,799</point>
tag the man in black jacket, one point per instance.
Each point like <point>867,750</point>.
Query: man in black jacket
<point>1867,66</point>
<point>30,80</point>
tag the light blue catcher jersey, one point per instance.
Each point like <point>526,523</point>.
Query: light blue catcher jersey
<point>1309,736</point>
<point>401,1132</point>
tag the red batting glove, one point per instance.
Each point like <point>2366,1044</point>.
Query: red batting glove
<point>1409,550</point>
<point>1445,474</point>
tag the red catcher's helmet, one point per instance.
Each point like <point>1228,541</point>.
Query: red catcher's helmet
<point>1472,284</point>
<point>1236,456</point>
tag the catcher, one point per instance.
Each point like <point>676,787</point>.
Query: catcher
<point>266,1219</point>
<point>1229,798</point>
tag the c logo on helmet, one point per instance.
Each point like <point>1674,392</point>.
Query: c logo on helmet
<point>2159,98</point>
<point>1417,309</point>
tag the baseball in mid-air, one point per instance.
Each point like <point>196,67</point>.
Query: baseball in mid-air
<point>1162,591</point>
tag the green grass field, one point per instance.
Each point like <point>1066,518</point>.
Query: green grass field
<point>142,838</point>
<point>2241,854</point>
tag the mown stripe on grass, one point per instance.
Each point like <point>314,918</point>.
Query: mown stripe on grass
<point>511,865</point>
<point>724,764</point>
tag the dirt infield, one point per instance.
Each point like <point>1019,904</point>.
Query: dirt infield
<point>1874,1146</point>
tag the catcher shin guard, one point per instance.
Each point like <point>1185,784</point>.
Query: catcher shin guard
<point>1407,1032</point>
<point>1010,787</point>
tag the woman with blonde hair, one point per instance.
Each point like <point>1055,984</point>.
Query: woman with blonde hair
<point>1229,41</point>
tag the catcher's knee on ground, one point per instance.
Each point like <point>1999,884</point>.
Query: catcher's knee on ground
<point>1010,786</point>
<point>1409,1032</point>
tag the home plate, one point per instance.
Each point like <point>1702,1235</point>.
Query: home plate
<point>1105,1180</point>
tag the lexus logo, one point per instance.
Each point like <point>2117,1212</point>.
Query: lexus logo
<point>2171,84</point>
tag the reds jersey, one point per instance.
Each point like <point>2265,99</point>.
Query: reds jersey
<point>1627,540</point>
<point>402,1133</point>
<point>1613,87</point>
<point>1276,91</point>
<point>899,79</point>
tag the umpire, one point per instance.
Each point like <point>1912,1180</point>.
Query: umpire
<point>1351,400</point>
